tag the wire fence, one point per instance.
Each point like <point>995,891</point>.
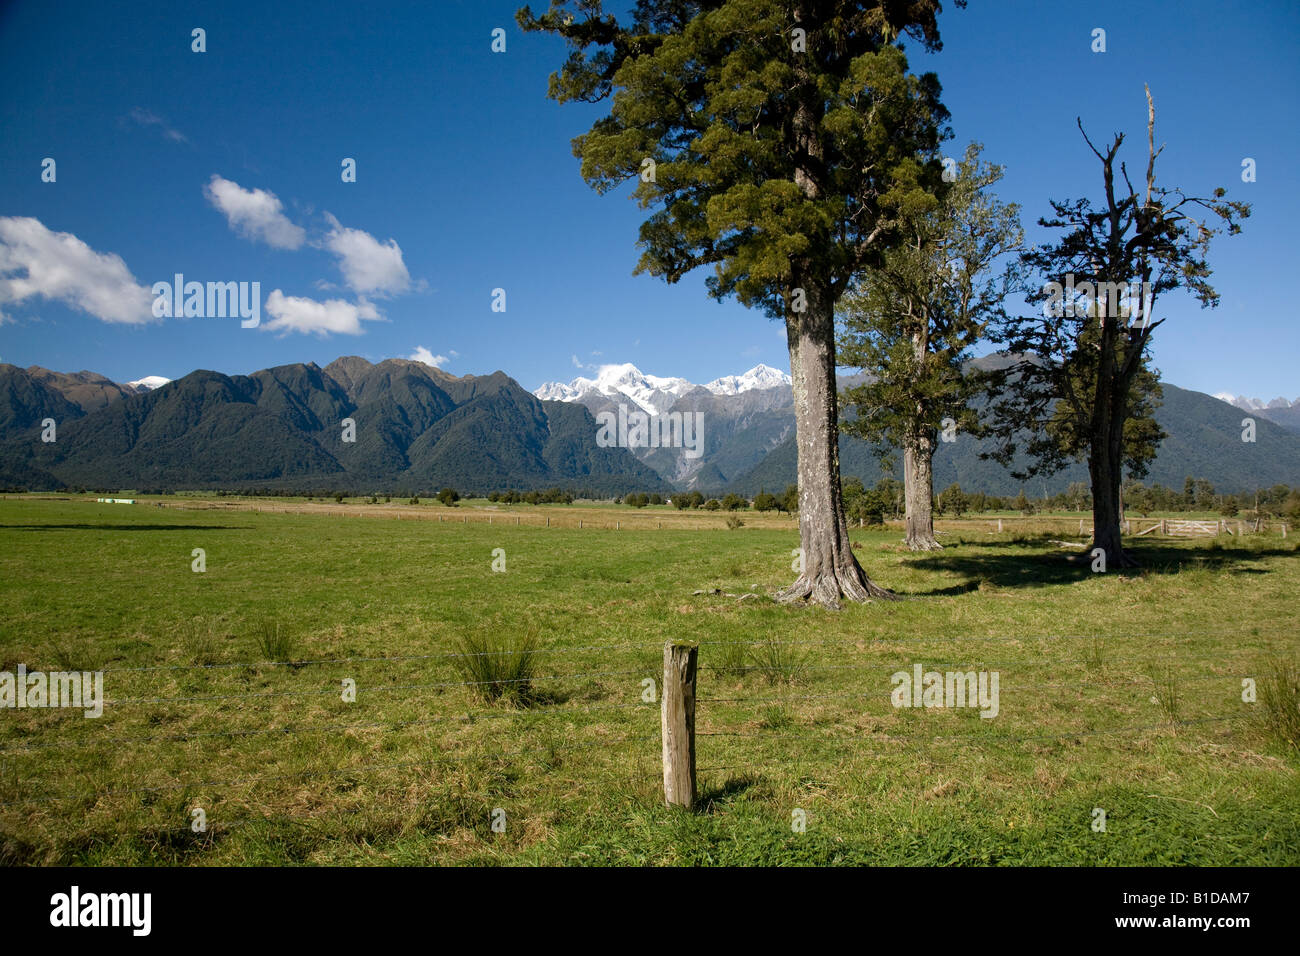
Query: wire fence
<point>514,723</point>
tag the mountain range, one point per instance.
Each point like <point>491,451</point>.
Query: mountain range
<point>749,438</point>
<point>416,428</point>
<point>743,418</point>
<point>1279,411</point>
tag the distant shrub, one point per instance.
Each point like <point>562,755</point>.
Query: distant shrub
<point>734,522</point>
<point>415,500</point>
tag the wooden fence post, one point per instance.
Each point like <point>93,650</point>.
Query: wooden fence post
<point>999,526</point>
<point>679,723</point>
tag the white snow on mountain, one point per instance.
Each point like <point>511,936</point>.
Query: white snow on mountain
<point>148,383</point>
<point>760,376</point>
<point>1253,404</point>
<point>652,393</point>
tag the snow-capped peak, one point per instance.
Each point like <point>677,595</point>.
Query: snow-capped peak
<point>1253,404</point>
<point>653,393</point>
<point>760,376</point>
<point>148,383</point>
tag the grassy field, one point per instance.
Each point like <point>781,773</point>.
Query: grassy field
<point>1118,692</point>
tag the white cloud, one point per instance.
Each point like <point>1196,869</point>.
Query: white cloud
<point>294,314</point>
<point>368,265</point>
<point>254,213</point>
<point>35,262</point>
<point>421,354</point>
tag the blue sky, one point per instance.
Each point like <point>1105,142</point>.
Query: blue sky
<point>225,165</point>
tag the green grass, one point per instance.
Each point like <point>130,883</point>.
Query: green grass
<point>248,722</point>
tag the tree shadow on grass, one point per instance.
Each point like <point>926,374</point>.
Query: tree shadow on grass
<point>125,527</point>
<point>1030,568</point>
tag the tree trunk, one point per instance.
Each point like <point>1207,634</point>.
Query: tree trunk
<point>1104,469</point>
<point>830,571</point>
<point>918,493</point>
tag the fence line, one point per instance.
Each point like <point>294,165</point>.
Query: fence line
<point>673,764</point>
<point>975,738</point>
<point>725,669</point>
<point>227,665</point>
<point>320,728</point>
<point>371,690</point>
<point>1081,684</point>
<point>729,669</point>
<point>855,641</point>
<point>866,643</point>
<point>679,758</point>
<point>863,643</point>
<point>309,774</point>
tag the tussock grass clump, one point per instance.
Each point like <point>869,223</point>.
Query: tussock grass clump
<point>199,641</point>
<point>1278,710</point>
<point>500,667</point>
<point>776,718</point>
<point>1166,691</point>
<point>730,659</point>
<point>779,662</point>
<point>75,654</point>
<point>273,640</point>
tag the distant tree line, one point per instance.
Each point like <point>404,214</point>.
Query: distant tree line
<point>867,506</point>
